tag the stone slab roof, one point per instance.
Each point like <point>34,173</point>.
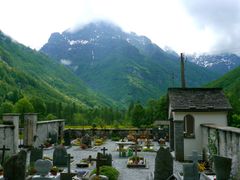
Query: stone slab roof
<point>198,99</point>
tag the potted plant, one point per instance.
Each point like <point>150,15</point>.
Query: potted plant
<point>54,170</point>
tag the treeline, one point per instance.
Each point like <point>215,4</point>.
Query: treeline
<point>144,116</point>
<point>136,115</point>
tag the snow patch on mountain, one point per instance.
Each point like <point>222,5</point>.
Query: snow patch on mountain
<point>66,62</point>
<point>74,42</point>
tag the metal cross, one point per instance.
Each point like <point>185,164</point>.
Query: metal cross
<point>69,157</point>
<point>98,160</point>
<point>104,150</point>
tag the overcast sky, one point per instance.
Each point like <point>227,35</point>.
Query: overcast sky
<point>184,25</point>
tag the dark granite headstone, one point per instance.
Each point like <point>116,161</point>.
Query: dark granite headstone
<point>107,159</point>
<point>190,171</point>
<point>60,156</point>
<point>35,154</point>
<point>67,138</point>
<point>163,164</point>
<point>15,166</point>
<point>222,167</point>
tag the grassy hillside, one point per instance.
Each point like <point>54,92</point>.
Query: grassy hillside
<point>230,82</point>
<point>36,75</point>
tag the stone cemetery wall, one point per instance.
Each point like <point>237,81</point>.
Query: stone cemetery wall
<point>9,134</point>
<point>44,128</point>
<point>7,137</point>
<point>227,141</point>
<point>109,132</point>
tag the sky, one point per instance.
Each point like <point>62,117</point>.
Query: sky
<point>187,26</point>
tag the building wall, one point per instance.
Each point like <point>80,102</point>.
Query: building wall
<point>191,144</point>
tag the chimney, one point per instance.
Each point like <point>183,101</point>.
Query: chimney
<point>182,72</point>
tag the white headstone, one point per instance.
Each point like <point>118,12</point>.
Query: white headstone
<point>43,167</point>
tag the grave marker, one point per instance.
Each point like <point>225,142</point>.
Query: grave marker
<point>68,175</point>
<point>15,166</point>
<point>60,156</point>
<point>190,170</point>
<point>98,160</point>
<point>43,167</point>
<point>104,150</point>
<point>163,164</point>
<point>222,167</point>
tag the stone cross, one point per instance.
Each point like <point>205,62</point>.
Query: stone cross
<point>104,150</point>
<point>98,160</point>
<point>3,149</point>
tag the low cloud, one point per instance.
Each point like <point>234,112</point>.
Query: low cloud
<point>220,16</point>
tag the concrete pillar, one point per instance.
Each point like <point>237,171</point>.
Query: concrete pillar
<point>179,140</point>
<point>222,143</point>
<point>13,119</point>
<point>30,129</point>
<point>204,137</point>
<point>229,144</point>
<point>171,135</point>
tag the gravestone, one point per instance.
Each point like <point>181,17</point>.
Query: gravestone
<point>43,167</point>
<point>15,166</point>
<point>190,171</point>
<point>163,164</point>
<point>35,154</point>
<point>86,139</point>
<point>67,138</point>
<point>60,156</point>
<point>222,167</point>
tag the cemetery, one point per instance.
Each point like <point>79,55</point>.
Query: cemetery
<point>194,150</point>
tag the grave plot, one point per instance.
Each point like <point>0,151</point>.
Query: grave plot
<point>136,161</point>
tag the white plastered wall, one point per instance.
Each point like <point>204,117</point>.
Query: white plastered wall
<point>219,118</point>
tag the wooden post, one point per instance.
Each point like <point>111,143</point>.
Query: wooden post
<point>182,72</point>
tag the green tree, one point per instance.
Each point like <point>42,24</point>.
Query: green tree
<point>6,107</point>
<point>78,119</point>
<point>138,115</point>
<point>39,105</point>
<point>51,117</point>
<point>236,120</point>
<point>23,106</point>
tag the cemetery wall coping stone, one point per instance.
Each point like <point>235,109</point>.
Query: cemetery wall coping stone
<point>223,128</point>
<point>11,114</point>
<point>6,126</point>
<point>51,121</point>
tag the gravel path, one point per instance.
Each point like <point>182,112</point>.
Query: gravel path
<point>118,162</point>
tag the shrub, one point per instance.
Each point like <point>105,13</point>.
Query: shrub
<point>111,172</point>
